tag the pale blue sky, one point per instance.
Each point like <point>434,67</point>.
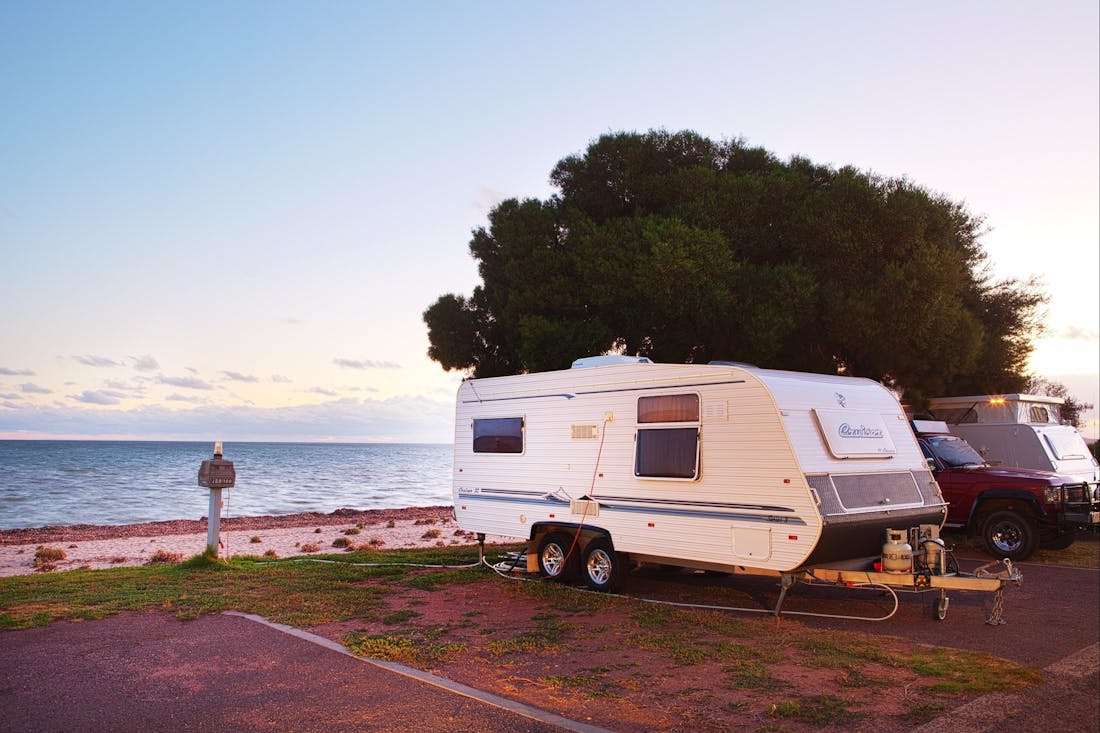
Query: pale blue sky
<point>224,220</point>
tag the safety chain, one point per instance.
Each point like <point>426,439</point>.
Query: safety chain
<point>995,618</point>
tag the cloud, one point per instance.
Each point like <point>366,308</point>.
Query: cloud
<point>177,397</point>
<point>16,372</point>
<point>185,382</point>
<point>124,389</point>
<point>292,321</point>
<point>93,397</point>
<point>96,361</point>
<point>399,419</point>
<point>485,199</point>
<point>323,391</point>
<point>145,363</point>
<point>280,379</point>
<point>365,364</point>
<point>30,388</point>
<point>1074,333</point>
<point>238,377</point>
<point>10,396</point>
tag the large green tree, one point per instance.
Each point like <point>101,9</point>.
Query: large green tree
<point>676,247</point>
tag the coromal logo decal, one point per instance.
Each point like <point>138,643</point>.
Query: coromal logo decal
<point>858,431</point>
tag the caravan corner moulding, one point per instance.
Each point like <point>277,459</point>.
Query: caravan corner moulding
<point>711,466</point>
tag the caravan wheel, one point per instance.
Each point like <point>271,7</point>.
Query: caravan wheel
<point>602,567</point>
<point>555,562</point>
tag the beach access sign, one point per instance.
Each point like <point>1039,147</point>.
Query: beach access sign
<point>852,434</point>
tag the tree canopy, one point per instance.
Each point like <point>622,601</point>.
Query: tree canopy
<point>682,249</point>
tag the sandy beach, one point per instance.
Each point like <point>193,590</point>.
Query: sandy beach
<point>95,546</point>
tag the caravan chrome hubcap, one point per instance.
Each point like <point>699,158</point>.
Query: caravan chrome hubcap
<point>553,560</point>
<point>599,567</point>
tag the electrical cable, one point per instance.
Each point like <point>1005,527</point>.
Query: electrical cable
<point>591,491</point>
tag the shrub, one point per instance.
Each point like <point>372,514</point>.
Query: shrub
<point>48,556</point>
<point>164,557</point>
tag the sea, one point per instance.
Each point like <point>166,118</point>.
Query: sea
<point>49,482</point>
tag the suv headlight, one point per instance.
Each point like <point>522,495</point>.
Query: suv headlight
<point>1052,495</point>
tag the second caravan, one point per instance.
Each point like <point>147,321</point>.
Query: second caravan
<point>715,466</point>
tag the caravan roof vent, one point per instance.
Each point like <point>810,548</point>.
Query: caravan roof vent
<point>608,360</point>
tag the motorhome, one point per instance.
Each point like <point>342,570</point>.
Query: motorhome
<point>718,466</point>
<point>1019,430</point>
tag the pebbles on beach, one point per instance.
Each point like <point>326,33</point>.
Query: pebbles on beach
<point>91,546</point>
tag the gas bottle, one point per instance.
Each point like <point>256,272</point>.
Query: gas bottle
<point>897,554</point>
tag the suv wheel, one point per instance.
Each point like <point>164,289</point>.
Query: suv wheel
<point>1009,534</point>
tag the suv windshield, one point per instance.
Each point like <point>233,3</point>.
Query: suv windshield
<point>955,452</point>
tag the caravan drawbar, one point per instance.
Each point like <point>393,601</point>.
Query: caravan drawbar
<point>719,466</point>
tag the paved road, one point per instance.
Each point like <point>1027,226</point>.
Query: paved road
<point>149,672</point>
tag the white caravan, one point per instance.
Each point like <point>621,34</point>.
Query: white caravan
<point>714,466</point>
<point>1019,430</point>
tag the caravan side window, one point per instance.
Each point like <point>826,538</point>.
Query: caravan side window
<point>498,435</point>
<point>672,450</point>
<point>1040,414</point>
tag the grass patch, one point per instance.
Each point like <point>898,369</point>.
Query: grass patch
<point>400,617</point>
<point>958,671</point>
<point>923,711</point>
<point>676,646</point>
<point>547,636</point>
<point>412,650</point>
<point>752,674</point>
<point>589,685</point>
<point>819,710</point>
<point>434,580</point>
<point>841,650</point>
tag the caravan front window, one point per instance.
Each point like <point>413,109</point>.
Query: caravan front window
<point>669,408</point>
<point>668,452</point>
<point>498,435</point>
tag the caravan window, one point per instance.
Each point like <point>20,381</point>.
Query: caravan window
<point>956,415</point>
<point>669,408</point>
<point>1039,414</point>
<point>667,453</point>
<point>498,435</point>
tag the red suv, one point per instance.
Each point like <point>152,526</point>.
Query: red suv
<point>1012,511</point>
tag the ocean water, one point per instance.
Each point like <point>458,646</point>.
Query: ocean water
<point>120,482</point>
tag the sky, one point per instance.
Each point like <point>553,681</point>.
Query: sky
<point>224,220</point>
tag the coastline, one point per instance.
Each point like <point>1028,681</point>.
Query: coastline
<point>102,546</point>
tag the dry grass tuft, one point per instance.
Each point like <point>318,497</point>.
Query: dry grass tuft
<point>46,557</point>
<point>164,557</point>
